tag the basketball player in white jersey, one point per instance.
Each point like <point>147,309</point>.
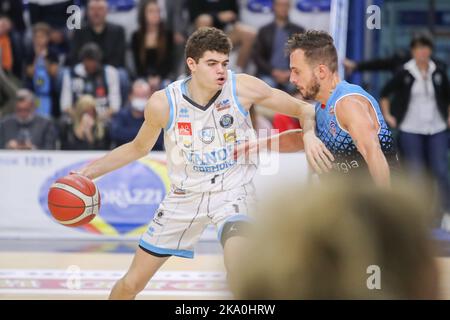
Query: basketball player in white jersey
<point>203,117</point>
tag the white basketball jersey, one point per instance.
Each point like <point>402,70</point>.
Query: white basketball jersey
<point>200,140</point>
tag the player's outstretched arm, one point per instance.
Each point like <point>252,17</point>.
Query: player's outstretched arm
<point>285,142</point>
<point>354,116</point>
<point>251,90</point>
<point>156,117</point>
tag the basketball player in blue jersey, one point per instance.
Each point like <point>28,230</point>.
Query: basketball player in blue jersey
<point>348,119</point>
<point>203,117</point>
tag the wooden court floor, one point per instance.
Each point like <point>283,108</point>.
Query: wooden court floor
<point>34,275</point>
<point>44,275</point>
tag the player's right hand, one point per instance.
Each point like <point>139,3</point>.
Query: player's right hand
<point>318,156</point>
<point>80,173</point>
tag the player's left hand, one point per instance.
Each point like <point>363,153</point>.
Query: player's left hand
<point>319,157</point>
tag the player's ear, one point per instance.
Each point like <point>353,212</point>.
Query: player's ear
<point>191,64</point>
<point>322,71</point>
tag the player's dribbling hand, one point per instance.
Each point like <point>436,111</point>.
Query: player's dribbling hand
<point>319,157</point>
<point>80,173</point>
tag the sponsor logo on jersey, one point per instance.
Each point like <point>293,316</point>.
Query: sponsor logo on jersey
<point>184,128</point>
<point>213,161</point>
<point>187,143</point>
<point>331,111</point>
<point>157,217</point>
<point>179,191</point>
<point>207,134</point>
<point>226,121</point>
<point>333,128</point>
<point>223,105</point>
<point>230,137</point>
<point>345,166</point>
<point>150,231</point>
<point>184,113</point>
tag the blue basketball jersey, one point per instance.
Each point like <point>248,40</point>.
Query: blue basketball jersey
<point>339,141</point>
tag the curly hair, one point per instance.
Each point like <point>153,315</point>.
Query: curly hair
<point>207,39</point>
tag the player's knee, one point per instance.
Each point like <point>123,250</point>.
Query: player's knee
<point>233,229</point>
<point>131,285</point>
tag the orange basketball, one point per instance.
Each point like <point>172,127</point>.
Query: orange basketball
<point>73,200</point>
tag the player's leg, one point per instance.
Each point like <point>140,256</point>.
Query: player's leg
<point>231,250</point>
<point>142,269</point>
<point>230,213</point>
<point>234,243</point>
<point>174,229</point>
<point>438,160</point>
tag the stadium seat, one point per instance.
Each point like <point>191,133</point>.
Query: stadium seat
<point>259,6</point>
<point>313,5</point>
<point>121,5</point>
<point>311,14</point>
<point>256,13</point>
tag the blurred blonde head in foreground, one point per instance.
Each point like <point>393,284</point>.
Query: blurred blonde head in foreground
<point>320,243</point>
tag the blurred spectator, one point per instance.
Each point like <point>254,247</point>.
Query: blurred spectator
<point>14,9</point>
<point>86,132</point>
<point>152,45</point>
<point>224,14</point>
<point>269,52</point>
<point>26,130</point>
<point>393,63</point>
<point>54,13</point>
<point>6,52</point>
<point>127,122</point>
<point>419,109</point>
<point>361,243</point>
<point>8,88</point>
<point>41,71</point>
<point>9,84</point>
<point>108,36</point>
<point>59,43</point>
<point>178,23</point>
<point>93,78</point>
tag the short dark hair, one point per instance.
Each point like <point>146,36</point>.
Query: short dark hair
<point>207,39</point>
<point>318,47</point>
<point>92,51</point>
<point>421,39</point>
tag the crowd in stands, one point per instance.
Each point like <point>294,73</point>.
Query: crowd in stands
<point>88,82</point>
<point>85,88</point>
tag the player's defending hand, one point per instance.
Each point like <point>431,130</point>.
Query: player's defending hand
<point>319,157</point>
<point>246,150</point>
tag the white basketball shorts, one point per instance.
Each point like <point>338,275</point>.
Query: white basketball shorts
<point>182,217</point>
